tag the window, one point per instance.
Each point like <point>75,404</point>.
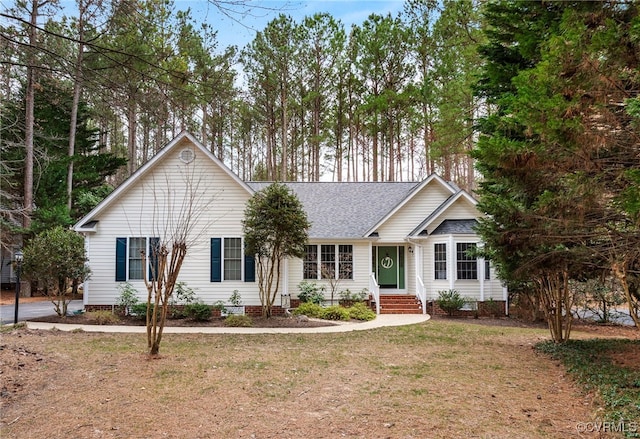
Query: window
<point>487,269</point>
<point>310,263</point>
<point>228,261</point>
<point>232,259</point>
<point>129,258</point>
<point>467,267</point>
<point>440,261</point>
<point>136,247</point>
<point>345,261</point>
<point>326,260</point>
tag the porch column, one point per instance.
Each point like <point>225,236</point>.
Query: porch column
<point>285,276</point>
<point>86,286</point>
<point>481,275</point>
<point>451,263</point>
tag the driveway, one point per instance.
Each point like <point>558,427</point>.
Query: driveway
<point>30,310</point>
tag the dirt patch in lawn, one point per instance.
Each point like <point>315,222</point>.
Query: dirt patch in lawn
<point>439,379</point>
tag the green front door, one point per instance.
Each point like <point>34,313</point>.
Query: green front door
<point>388,267</point>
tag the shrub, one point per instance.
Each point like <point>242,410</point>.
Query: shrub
<point>235,299</point>
<point>237,321</point>
<point>450,301</point>
<point>335,313</point>
<point>198,311</point>
<point>353,297</point>
<point>493,308</point>
<point>128,298</point>
<point>310,292</point>
<point>183,296</point>
<point>308,309</point>
<point>103,317</point>
<point>360,311</point>
<point>139,310</point>
<point>220,306</point>
<point>56,259</point>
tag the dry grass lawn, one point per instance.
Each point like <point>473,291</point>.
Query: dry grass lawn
<point>440,379</point>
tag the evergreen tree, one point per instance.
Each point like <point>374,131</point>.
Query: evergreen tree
<point>552,152</point>
<point>275,227</point>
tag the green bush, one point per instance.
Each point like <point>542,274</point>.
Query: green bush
<point>361,311</point>
<point>236,298</point>
<point>139,310</point>
<point>354,297</point>
<point>308,309</point>
<point>198,312</point>
<point>103,317</point>
<point>450,301</point>
<point>335,312</point>
<point>310,292</point>
<point>128,298</point>
<point>237,321</point>
<point>183,296</point>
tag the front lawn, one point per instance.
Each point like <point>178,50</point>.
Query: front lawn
<point>440,379</point>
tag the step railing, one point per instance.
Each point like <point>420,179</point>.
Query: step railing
<point>421,294</point>
<point>374,289</point>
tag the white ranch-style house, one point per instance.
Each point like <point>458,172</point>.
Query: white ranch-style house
<point>393,239</point>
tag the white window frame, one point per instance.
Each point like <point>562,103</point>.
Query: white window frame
<point>336,261</point>
<point>446,261</point>
<point>458,261</point>
<point>224,259</point>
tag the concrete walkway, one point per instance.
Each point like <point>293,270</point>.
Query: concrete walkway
<point>378,322</point>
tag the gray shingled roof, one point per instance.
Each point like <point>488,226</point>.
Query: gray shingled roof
<point>345,210</point>
<point>456,227</point>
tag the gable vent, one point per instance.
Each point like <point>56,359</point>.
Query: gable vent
<point>187,155</point>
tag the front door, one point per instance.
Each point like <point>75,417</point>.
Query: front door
<point>388,267</point>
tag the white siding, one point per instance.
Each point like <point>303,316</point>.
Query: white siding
<point>361,271</point>
<point>151,207</point>
<point>471,289</point>
<point>462,209</point>
<point>402,222</point>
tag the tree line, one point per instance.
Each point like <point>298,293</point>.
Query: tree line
<point>388,99</point>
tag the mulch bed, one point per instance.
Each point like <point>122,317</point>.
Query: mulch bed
<point>257,322</point>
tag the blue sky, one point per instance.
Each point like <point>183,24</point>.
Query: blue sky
<point>241,29</point>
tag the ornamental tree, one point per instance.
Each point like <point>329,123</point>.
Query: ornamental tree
<point>275,227</point>
<point>56,259</point>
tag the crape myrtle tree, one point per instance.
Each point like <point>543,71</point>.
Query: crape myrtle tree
<point>55,259</point>
<point>178,222</point>
<point>560,150</point>
<point>275,227</point>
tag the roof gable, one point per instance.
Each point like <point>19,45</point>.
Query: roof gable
<point>88,222</point>
<point>421,229</point>
<point>417,189</point>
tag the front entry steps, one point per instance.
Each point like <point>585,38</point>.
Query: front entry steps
<point>399,304</point>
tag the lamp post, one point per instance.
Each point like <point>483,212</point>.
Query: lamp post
<point>18,257</point>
